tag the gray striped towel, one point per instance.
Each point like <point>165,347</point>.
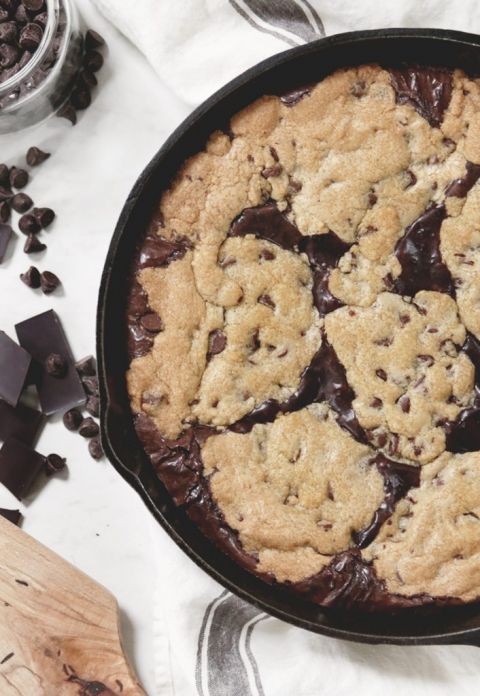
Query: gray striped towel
<point>207,641</point>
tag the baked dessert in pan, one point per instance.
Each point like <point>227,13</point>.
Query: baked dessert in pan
<point>304,325</point>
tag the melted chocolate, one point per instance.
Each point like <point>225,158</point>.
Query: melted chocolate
<point>463,434</point>
<point>323,380</point>
<point>418,253</point>
<point>324,251</point>
<point>427,89</point>
<point>295,95</point>
<point>398,479</point>
<point>460,187</point>
<point>156,251</point>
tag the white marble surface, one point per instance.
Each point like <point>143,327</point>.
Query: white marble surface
<point>92,517</point>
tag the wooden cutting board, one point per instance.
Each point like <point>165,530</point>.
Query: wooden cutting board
<point>59,632</point>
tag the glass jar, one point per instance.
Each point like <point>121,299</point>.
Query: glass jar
<point>43,84</point>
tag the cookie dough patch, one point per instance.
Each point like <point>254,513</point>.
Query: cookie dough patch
<point>295,488</point>
<point>432,543</point>
<point>403,362</point>
<point>271,333</point>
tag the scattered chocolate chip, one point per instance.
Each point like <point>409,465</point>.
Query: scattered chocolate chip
<point>88,428</point>
<point>44,216</point>
<point>54,463</point>
<point>28,224</point>
<point>90,384</point>
<point>5,194</point>
<point>4,211</point>
<point>30,37</point>
<point>35,156</point>
<point>87,79</point>
<point>67,111</point>
<point>72,419</point>
<point>49,282</point>
<point>21,202</point>
<point>33,245</point>
<point>4,175</point>
<point>95,448</point>
<point>80,97</point>
<point>87,366</point>
<point>93,40</point>
<point>93,61</point>
<point>18,178</point>
<point>56,365</point>
<point>93,406</point>
<point>31,278</point>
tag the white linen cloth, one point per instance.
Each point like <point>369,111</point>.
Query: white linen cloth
<point>207,641</point>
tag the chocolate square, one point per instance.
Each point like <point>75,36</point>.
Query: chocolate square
<point>5,234</point>
<point>12,516</point>
<point>19,467</point>
<point>14,364</point>
<point>21,422</point>
<point>41,336</point>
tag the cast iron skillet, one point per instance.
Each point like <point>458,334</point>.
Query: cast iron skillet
<point>276,75</point>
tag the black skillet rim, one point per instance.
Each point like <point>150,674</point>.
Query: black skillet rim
<point>354,626</point>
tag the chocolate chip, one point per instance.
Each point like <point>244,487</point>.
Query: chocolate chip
<point>151,322</point>
<point>44,216</point>
<point>267,301</point>
<point>372,199</point>
<point>90,384</point>
<point>8,32</point>
<point>88,428</point>
<point>31,278</point>
<point>4,175</point>
<point>376,402</point>
<point>381,374</point>
<point>93,40</point>
<point>56,365</point>
<point>88,79</point>
<point>266,255</point>
<point>54,463</point>
<point>67,111</point>
<point>4,211</point>
<point>93,406</point>
<point>272,172</point>
<point>428,359</point>
<point>404,319</point>
<point>21,202</point>
<point>80,97</point>
<point>216,343</point>
<point>49,282</point>
<point>404,403</point>
<point>21,14</point>
<point>5,194</point>
<point>8,55</point>
<point>87,366</point>
<point>227,261</point>
<point>30,37</point>
<point>35,156</point>
<point>410,178</point>
<point>33,245</point>
<point>93,61</point>
<point>28,224</point>
<point>33,5</point>
<point>359,88</point>
<point>42,19</point>
<point>95,448</point>
<point>72,419</point>
<point>18,178</point>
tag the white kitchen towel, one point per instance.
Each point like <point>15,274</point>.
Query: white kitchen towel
<point>207,641</point>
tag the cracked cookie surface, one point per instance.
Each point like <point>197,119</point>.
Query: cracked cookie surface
<point>304,318</point>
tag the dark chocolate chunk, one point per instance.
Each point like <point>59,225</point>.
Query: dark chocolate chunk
<point>18,178</point>
<point>35,156</point>
<point>5,235</point>
<point>44,216</point>
<point>88,428</point>
<point>93,40</point>
<point>54,463</point>
<point>72,419</point>
<point>33,245</point>
<point>14,366</point>
<point>87,367</point>
<point>49,282</point>
<point>13,516</point>
<point>428,89</point>
<point>28,224</point>
<point>30,37</point>
<point>93,61</point>
<point>31,277</point>
<point>266,222</point>
<point>460,187</point>
<point>21,202</point>
<point>42,335</point>
<point>67,111</point>
<point>90,384</point>
<point>4,211</point>
<point>19,467</point>
<point>418,253</point>
<point>95,448</point>
<point>93,406</point>
<point>21,422</point>
<point>56,365</point>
